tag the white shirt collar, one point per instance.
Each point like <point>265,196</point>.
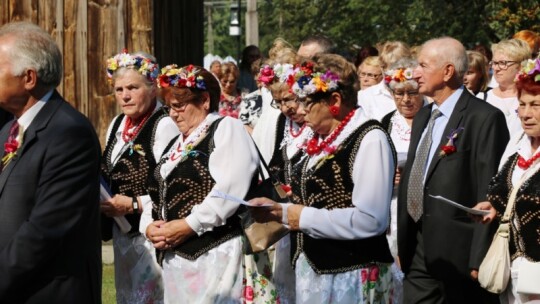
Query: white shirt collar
<point>26,119</point>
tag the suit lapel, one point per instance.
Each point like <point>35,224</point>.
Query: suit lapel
<point>30,135</point>
<point>453,123</point>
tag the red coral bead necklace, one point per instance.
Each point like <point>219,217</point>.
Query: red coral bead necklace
<point>313,146</point>
<point>128,135</point>
<point>291,129</point>
<point>526,164</point>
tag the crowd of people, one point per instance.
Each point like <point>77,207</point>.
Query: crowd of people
<point>366,153</point>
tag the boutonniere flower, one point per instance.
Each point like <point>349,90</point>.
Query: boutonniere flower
<point>10,151</point>
<point>450,148</point>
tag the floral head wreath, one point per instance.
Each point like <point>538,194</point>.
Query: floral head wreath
<point>529,69</point>
<point>185,77</point>
<point>304,81</point>
<point>277,73</point>
<point>398,75</point>
<point>143,65</point>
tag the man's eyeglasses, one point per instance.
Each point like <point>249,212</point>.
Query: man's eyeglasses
<point>400,95</point>
<point>277,104</point>
<point>503,64</point>
<point>369,75</point>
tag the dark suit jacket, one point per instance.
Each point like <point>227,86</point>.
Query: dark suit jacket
<point>453,243</point>
<point>50,248</point>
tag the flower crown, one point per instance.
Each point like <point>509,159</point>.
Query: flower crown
<point>278,73</point>
<point>398,75</point>
<point>185,77</point>
<point>529,69</point>
<point>304,81</point>
<point>143,65</point>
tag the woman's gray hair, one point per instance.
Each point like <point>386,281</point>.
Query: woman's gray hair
<point>404,64</point>
<point>34,48</point>
<point>122,70</point>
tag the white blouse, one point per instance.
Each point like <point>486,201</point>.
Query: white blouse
<point>509,107</point>
<point>372,174</point>
<point>166,130</point>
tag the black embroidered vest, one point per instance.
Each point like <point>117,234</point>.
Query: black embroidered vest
<point>187,185</point>
<point>129,174</point>
<point>277,163</point>
<point>329,185</point>
<point>525,220</point>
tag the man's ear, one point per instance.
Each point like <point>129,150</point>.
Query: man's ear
<point>30,79</point>
<point>449,71</point>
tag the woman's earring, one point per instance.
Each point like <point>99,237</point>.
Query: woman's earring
<point>334,110</point>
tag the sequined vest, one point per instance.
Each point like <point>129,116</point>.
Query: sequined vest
<point>187,185</point>
<point>129,174</point>
<point>329,185</point>
<point>525,219</point>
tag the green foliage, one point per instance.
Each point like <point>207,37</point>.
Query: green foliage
<point>355,22</point>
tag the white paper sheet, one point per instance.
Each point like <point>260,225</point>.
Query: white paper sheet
<point>460,206</point>
<point>121,221</point>
<point>217,193</point>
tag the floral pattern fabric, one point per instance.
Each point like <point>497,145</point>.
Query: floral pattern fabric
<point>258,286</point>
<point>230,107</point>
<point>137,274</point>
<point>368,285</point>
<point>213,278</point>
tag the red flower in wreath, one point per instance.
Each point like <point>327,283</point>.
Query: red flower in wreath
<point>450,147</point>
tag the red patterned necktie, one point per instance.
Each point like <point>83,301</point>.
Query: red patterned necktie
<point>11,145</point>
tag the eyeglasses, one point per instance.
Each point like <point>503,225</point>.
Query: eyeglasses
<point>177,107</point>
<point>369,75</point>
<point>277,104</point>
<point>503,64</point>
<point>400,95</point>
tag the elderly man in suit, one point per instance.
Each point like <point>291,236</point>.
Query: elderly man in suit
<point>456,145</point>
<point>49,184</point>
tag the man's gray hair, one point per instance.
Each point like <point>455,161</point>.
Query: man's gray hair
<point>450,50</point>
<point>34,48</point>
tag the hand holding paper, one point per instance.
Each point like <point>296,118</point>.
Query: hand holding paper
<point>217,193</point>
<point>459,206</point>
<point>104,195</point>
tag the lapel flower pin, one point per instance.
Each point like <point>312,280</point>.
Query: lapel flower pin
<point>450,147</point>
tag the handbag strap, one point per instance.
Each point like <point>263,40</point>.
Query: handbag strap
<point>264,165</point>
<point>504,226</point>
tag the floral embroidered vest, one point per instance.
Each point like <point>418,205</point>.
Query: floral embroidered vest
<point>329,185</point>
<point>129,174</point>
<point>525,219</point>
<point>187,185</point>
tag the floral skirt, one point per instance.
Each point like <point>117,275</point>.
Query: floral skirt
<point>371,285</point>
<point>222,275</point>
<point>137,275</point>
<point>214,277</point>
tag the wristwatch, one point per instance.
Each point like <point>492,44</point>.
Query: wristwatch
<point>135,205</point>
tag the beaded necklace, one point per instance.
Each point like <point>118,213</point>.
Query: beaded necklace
<point>128,134</point>
<point>313,146</point>
<point>526,164</point>
<point>183,148</point>
<point>291,129</point>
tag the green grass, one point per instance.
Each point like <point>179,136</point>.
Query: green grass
<point>108,292</point>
